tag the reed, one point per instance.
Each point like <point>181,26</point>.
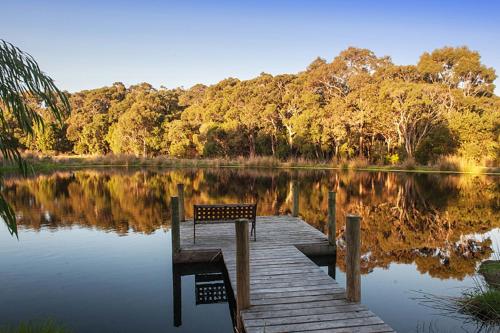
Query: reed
<point>444,164</point>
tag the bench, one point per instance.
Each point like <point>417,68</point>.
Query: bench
<point>225,213</point>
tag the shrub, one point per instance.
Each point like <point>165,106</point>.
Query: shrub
<point>409,164</point>
<point>392,159</point>
<point>358,163</point>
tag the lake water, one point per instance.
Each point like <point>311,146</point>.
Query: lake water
<point>94,245</point>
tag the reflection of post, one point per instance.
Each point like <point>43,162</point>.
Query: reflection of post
<point>176,276</point>
<point>177,291</point>
<point>180,193</point>
<point>332,228</point>
<point>175,228</point>
<point>353,258</point>
<point>295,196</point>
<point>242,269</point>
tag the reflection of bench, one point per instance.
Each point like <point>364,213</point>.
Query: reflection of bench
<point>210,288</point>
<point>213,214</point>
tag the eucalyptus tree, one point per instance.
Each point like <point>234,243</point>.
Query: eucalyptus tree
<point>458,67</point>
<point>21,78</point>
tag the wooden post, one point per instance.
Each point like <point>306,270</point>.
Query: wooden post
<point>332,226</point>
<point>175,228</point>
<point>180,193</point>
<point>242,269</point>
<point>295,195</point>
<point>353,258</point>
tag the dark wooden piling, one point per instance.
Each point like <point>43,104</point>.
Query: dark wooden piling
<point>353,258</point>
<point>242,268</point>
<point>180,194</point>
<point>175,228</point>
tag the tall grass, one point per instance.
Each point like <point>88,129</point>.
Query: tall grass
<point>483,304</point>
<point>447,163</point>
<point>457,163</point>
<point>479,305</point>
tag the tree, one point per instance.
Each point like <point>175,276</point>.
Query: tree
<point>138,129</point>
<point>359,105</point>
<point>417,109</point>
<point>458,67</point>
<point>21,76</point>
<point>89,122</point>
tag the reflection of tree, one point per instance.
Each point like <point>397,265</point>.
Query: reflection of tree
<point>428,220</point>
<point>425,220</point>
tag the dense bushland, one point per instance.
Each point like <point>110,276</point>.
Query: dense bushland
<point>358,106</point>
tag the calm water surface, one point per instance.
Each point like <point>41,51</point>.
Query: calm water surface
<point>94,245</point>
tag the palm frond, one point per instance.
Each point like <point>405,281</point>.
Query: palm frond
<point>20,77</point>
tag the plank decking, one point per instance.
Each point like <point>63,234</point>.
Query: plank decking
<point>289,292</point>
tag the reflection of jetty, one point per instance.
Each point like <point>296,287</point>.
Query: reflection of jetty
<point>288,291</point>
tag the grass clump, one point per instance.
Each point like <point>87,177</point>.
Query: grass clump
<point>46,326</point>
<point>481,304</point>
<point>490,266</point>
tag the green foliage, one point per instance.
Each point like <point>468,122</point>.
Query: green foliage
<point>483,304</point>
<point>458,68</point>
<point>476,125</point>
<point>392,159</point>
<point>23,85</point>
<point>490,267</point>
<point>439,142</point>
<point>358,105</point>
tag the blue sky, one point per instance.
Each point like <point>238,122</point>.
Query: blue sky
<point>88,44</point>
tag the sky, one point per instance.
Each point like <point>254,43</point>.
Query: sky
<point>89,44</point>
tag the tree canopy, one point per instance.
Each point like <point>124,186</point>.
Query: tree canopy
<point>358,105</point>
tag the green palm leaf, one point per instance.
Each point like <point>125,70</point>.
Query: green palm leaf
<point>20,77</point>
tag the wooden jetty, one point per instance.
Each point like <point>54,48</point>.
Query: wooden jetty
<point>288,291</point>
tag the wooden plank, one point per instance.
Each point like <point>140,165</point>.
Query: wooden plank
<point>307,318</point>
<point>302,312</point>
<point>380,328</point>
<point>320,325</point>
<point>304,287</point>
<point>256,295</point>
<point>298,299</point>
<point>295,306</point>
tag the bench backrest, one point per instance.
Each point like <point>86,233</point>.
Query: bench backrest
<point>222,213</point>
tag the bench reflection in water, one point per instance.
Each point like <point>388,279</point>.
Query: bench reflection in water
<point>211,285</point>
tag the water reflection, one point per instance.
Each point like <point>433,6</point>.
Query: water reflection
<point>434,221</point>
<point>211,286</point>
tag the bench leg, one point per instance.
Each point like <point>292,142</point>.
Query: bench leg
<point>254,231</point>
<point>194,232</point>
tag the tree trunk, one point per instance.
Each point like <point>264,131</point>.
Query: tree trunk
<point>273,144</point>
<point>251,142</point>
<point>361,145</point>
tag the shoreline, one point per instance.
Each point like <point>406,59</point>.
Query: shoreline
<point>71,162</point>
